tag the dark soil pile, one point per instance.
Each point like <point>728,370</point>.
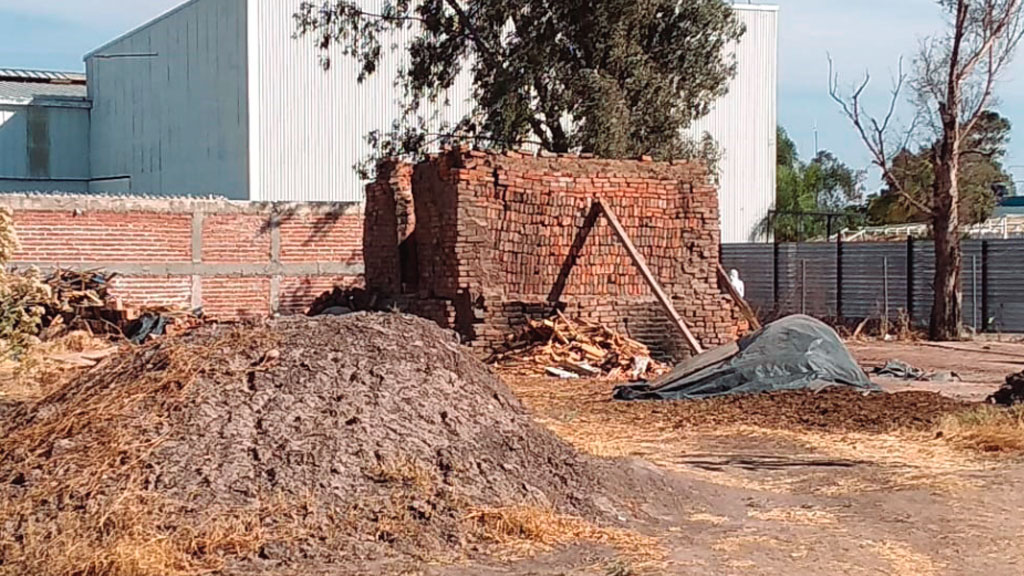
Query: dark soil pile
<point>348,442</point>
<point>832,409</point>
<point>1011,393</point>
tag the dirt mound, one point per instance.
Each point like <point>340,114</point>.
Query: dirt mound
<point>341,441</point>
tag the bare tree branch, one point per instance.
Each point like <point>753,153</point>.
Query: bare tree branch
<point>875,137</point>
<point>991,34</point>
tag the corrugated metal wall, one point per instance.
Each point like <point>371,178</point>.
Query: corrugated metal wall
<point>1006,285</point>
<point>170,104</point>
<point>789,278</point>
<point>44,148</point>
<point>744,123</point>
<point>218,97</point>
<point>309,126</point>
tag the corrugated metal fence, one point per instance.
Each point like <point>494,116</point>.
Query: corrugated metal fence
<point>858,280</point>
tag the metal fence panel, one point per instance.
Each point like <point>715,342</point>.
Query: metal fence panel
<point>924,275</point>
<point>807,274</point>
<point>971,284</point>
<point>874,275</point>
<point>789,278</point>
<point>755,262</point>
<point>1006,285</point>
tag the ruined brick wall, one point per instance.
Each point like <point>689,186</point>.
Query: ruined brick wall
<point>233,259</point>
<point>502,238</point>
<point>389,223</point>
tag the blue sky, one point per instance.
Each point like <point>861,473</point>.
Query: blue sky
<point>860,34</point>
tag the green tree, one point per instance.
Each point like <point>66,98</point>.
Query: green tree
<point>980,176</point>
<point>824,184</point>
<point>616,78</point>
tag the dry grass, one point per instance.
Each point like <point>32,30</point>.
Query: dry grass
<point>582,413</point>
<point>46,366</point>
<point>525,531</point>
<point>986,428</point>
<point>91,514</point>
<point>904,560</point>
<point>795,516</point>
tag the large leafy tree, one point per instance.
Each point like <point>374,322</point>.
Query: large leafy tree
<point>615,78</point>
<point>981,177</point>
<point>825,184</point>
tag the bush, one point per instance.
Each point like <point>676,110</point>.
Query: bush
<point>22,295</point>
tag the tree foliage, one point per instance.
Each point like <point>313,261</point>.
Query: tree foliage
<point>982,177</point>
<point>616,78</point>
<point>825,184</point>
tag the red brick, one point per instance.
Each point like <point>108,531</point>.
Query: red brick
<point>230,297</point>
<point>236,238</point>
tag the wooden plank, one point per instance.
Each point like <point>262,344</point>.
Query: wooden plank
<point>659,293</point>
<point>745,308</point>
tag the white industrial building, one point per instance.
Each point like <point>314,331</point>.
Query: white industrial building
<point>216,97</point>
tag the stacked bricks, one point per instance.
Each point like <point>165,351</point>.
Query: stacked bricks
<point>232,259</point>
<point>389,223</point>
<point>504,238</point>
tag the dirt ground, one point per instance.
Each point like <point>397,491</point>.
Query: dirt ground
<point>791,496</point>
<point>981,365</point>
<point>800,484</point>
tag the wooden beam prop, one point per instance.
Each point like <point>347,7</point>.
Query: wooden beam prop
<point>659,293</point>
<point>745,308</point>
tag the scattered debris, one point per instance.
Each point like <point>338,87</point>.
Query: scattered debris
<point>1011,393</point>
<point>563,374</point>
<point>904,371</point>
<point>559,346</point>
<point>70,300</point>
<point>899,369</point>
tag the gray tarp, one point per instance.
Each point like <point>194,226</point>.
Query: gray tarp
<point>796,352</point>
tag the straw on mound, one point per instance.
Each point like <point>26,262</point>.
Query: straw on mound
<point>337,441</point>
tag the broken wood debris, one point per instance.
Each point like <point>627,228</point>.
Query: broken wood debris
<point>567,348</point>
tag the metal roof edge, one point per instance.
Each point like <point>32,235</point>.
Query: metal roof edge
<point>756,7</point>
<point>38,76</point>
<point>140,28</point>
<point>48,101</point>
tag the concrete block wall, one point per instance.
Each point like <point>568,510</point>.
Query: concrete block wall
<point>233,259</point>
<point>503,238</point>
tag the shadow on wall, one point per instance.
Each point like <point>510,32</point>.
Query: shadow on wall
<point>321,225</point>
<point>574,253</point>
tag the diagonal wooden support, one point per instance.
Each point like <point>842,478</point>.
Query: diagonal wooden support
<point>659,293</point>
<point>743,305</point>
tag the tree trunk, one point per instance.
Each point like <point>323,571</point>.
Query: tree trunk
<point>946,321</point>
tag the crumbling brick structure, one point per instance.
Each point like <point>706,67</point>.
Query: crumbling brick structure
<point>501,238</point>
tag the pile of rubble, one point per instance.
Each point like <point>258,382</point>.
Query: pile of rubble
<point>575,348</point>
<point>46,307</point>
<point>82,300</point>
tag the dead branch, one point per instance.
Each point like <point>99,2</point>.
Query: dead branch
<point>876,136</point>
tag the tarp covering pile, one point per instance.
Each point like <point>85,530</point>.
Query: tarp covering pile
<point>794,353</point>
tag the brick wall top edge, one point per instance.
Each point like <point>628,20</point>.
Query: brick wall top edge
<point>176,205</point>
<point>575,165</point>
